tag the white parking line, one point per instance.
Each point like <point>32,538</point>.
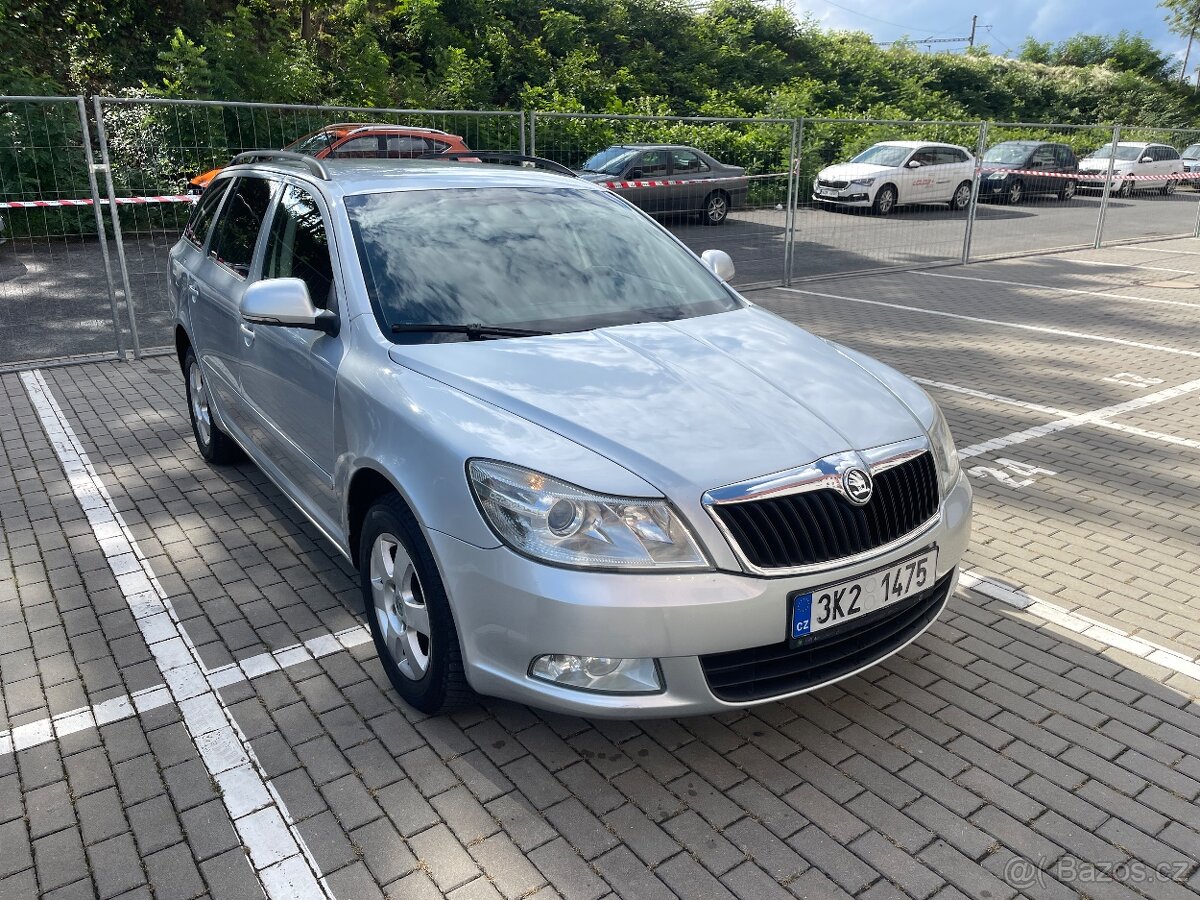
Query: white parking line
<point>1062,290</point>
<point>1073,621</point>
<point>1041,329</point>
<point>1160,250</point>
<point>1052,411</point>
<point>1117,265</point>
<point>1095,417</point>
<point>276,850</point>
<point>125,706</point>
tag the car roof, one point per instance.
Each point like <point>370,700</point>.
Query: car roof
<point>348,177</point>
<point>344,128</point>
<point>1029,143</point>
<point>914,144</point>
<point>653,146</point>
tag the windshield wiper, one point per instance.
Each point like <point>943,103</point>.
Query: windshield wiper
<point>473,331</point>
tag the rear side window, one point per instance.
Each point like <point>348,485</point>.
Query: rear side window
<point>241,219</point>
<point>406,146</point>
<point>298,246</point>
<point>1064,155</point>
<point>200,222</point>
<point>685,161</point>
<point>1168,153</point>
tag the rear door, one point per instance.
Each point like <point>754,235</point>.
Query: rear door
<point>1044,161</point>
<point>1169,162</point>
<point>953,168</point>
<point>220,283</point>
<point>288,374</point>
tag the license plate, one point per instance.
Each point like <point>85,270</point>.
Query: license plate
<point>827,192</point>
<point>846,600</point>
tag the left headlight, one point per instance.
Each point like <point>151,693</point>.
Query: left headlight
<point>945,454</point>
<point>551,520</point>
<point>865,182</point>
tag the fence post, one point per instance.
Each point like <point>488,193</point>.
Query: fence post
<point>101,233</point>
<point>793,197</point>
<point>115,215</point>
<point>532,132</point>
<point>522,146</point>
<point>1112,159</point>
<point>980,149</point>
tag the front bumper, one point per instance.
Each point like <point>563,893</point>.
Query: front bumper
<point>848,198</point>
<point>509,610</point>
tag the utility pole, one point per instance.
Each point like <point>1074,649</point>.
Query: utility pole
<point>971,39</point>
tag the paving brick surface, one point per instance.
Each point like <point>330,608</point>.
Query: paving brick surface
<point>1001,754</point>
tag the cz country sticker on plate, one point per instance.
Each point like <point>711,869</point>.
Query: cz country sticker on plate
<point>837,603</point>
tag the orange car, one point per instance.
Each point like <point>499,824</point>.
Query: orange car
<point>365,140</point>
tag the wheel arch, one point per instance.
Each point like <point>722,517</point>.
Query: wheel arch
<point>183,343</point>
<point>367,485</point>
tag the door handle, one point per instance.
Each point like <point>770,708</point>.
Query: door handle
<point>247,334</point>
<point>193,292</point>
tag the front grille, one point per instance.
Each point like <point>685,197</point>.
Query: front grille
<point>832,184</point>
<point>822,526</point>
<point>760,672</point>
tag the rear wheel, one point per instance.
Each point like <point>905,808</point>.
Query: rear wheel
<point>885,201</point>
<point>716,208</point>
<point>1016,192</point>
<point>961,198</point>
<point>214,444</point>
<point>409,613</point>
<point>1067,191</point>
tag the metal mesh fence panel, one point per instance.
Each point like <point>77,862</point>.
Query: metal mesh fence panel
<point>159,152</point>
<point>732,195</point>
<point>874,195</point>
<point>1033,196</point>
<point>1151,195</point>
<point>56,299</point>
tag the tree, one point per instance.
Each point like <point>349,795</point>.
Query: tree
<point>1183,17</point>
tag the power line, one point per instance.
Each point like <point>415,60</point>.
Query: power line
<point>881,21</point>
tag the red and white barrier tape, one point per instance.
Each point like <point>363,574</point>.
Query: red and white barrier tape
<point>675,182</point>
<point>121,201</point>
<point>1096,176</point>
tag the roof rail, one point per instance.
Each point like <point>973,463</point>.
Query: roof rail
<point>313,165</point>
<point>504,156</point>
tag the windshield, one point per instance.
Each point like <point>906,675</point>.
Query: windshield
<point>1125,153</point>
<point>883,155</point>
<point>1007,153</point>
<point>1192,152</point>
<point>611,161</point>
<point>312,144</point>
<point>548,259</point>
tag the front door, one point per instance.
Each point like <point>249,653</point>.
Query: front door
<point>288,374</point>
<point>920,182</point>
<point>651,165</point>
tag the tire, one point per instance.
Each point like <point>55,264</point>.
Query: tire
<point>716,209</point>
<point>1126,189</point>
<point>1016,192</point>
<point>1169,188</point>
<point>961,198</point>
<point>1067,191</point>
<point>885,200</point>
<point>402,595</point>
<point>214,444</point>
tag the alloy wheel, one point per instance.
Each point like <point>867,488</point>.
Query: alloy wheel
<point>199,396</point>
<point>717,208</point>
<point>400,609</point>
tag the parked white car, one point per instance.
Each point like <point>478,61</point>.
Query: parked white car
<point>1136,166</point>
<point>894,173</point>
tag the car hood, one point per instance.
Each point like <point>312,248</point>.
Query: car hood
<point>688,405</point>
<point>596,177</point>
<point>847,171</point>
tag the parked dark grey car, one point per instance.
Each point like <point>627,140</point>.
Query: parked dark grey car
<point>669,178</point>
<point>1013,170</point>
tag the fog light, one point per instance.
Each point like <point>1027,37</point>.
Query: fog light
<point>599,673</point>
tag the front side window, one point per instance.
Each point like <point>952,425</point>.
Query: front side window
<point>546,259</point>
<point>1043,156</point>
<point>652,164</point>
<point>298,245</point>
<point>357,148</point>
<point>201,219</point>
<point>926,156</point>
<point>241,219</point>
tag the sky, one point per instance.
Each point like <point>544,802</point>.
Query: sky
<point>1010,21</point>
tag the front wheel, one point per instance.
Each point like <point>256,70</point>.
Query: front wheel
<point>406,605</point>
<point>961,198</point>
<point>885,201</point>
<point>716,209</point>
<point>1126,189</point>
<point>1169,187</point>
<point>1016,193</point>
<point>214,444</point>
<point>1067,191</point>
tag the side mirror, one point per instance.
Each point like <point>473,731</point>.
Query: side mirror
<point>1147,159</point>
<point>285,302</point>
<point>718,263</point>
<point>633,173</point>
<point>914,164</point>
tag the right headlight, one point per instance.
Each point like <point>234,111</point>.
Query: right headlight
<point>945,454</point>
<point>557,522</point>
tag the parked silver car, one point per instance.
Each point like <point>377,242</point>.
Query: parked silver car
<point>572,465</point>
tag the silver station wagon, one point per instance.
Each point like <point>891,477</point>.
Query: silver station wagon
<point>572,466</point>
